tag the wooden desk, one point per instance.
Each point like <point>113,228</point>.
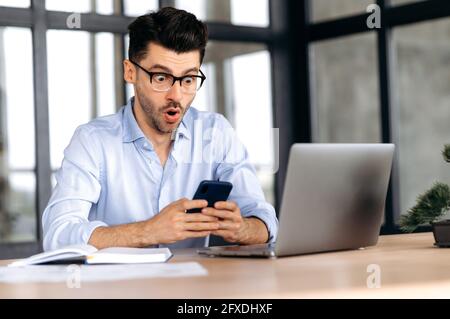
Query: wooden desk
<point>410,267</point>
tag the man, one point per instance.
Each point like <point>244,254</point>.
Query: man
<point>126,178</point>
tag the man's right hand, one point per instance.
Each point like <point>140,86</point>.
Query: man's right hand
<point>172,224</point>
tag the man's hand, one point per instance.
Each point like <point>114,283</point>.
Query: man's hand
<point>233,227</point>
<point>172,224</point>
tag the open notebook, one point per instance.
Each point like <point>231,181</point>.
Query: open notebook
<point>90,255</point>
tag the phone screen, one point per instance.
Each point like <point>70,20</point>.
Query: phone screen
<point>212,192</point>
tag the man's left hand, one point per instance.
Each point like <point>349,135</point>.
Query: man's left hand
<point>233,227</point>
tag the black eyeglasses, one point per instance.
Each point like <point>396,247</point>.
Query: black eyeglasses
<point>163,82</point>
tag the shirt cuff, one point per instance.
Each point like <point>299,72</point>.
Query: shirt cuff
<point>271,228</point>
<point>89,228</point>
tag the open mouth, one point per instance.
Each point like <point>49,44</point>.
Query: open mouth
<point>172,115</point>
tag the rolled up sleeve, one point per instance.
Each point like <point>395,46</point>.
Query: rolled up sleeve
<point>65,220</point>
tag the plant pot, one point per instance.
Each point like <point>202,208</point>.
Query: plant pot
<point>441,232</point>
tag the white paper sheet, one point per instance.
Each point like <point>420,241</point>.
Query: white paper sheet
<point>94,273</point>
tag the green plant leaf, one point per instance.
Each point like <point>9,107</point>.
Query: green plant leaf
<point>446,153</point>
<point>431,205</point>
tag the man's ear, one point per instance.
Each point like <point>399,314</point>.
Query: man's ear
<point>129,72</point>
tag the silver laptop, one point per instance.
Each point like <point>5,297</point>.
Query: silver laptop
<point>334,199</point>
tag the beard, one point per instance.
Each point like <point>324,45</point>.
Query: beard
<point>154,115</point>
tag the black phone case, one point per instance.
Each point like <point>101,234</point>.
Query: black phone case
<point>212,191</point>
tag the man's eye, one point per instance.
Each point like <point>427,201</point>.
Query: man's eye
<point>159,77</point>
<point>188,80</point>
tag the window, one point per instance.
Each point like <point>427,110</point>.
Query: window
<point>104,74</point>
<point>423,68</point>
<point>104,7</point>
<point>206,98</point>
<point>328,10</point>
<point>81,6</point>
<point>69,67</point>
<point>239,87</point>
<point>252,106</point>
<point>15,3</point>
<point>17,148</point>
<point>81,83</point>
<point>139,7</point>
<point>234,11</point>
<point>346,90</point>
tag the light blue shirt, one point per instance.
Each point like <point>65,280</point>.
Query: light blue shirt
<point>110,175</point>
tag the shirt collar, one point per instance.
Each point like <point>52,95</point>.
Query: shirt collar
<point>183,127</point>
<point>132,131</point>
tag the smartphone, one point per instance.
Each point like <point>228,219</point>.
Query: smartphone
<point>211,191</point>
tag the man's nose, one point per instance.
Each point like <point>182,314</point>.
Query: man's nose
<point>175,93</point>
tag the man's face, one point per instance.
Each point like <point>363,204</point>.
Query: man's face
<point>164,110</point>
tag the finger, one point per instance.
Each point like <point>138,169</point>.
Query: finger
<point>201,226</point>
<point>197,217</point>
<point>228,205</point>
<point>227,225</point>
<point>224,214</point>
<point>190,204</point>
<point>196,234</point>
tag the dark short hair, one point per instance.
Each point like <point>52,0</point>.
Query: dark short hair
<point>177,30</point>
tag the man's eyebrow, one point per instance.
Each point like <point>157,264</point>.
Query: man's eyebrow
<point>191,70</point>
<point>162,67</point>
<point>166,69</point>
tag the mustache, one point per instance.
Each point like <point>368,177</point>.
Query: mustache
<point>172,105</point>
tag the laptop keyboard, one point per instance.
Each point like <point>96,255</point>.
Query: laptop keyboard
<point>262,250</point>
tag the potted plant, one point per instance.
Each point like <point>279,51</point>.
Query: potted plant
<point>430,208</point>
